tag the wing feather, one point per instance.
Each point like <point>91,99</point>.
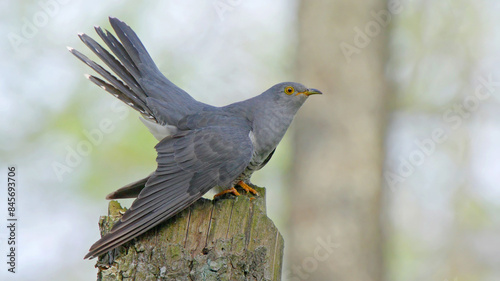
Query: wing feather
<point>191,163</point>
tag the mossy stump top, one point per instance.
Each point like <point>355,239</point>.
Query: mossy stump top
<point>230,238</point>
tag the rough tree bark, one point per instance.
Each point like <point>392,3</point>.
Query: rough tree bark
<point>339,141</point>
<point>225,239</point>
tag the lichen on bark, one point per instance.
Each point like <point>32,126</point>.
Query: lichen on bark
<point>225,239</point>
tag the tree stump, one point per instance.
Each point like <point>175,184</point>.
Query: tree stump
<point>225,239</point>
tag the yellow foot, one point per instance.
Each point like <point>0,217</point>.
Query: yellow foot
<point>231,190</point>
<point>247,188</point>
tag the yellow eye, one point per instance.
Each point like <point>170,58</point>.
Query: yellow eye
<point>289,90</point>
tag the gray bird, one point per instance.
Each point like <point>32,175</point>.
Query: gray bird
<point>200,146</point>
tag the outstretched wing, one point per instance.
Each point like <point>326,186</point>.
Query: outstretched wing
<point>190,163</point>
<point>140,84</point>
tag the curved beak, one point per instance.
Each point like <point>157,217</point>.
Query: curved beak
<point>311,91</point>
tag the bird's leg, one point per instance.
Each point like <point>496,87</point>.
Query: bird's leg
<point>231,190</point>
<point>247,188</point>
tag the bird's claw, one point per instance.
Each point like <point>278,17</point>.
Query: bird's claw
<point>247,188</point>
<point>231,190</point>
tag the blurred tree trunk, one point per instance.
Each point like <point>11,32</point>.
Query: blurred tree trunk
<point>338,141</point>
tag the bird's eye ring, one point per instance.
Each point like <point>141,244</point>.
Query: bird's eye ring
<point>289,90</point>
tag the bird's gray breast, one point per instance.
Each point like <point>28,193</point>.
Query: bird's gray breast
<point>258,158</point>
<point>269,125</point>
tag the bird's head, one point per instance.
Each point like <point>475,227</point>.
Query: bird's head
<point>291,94</point>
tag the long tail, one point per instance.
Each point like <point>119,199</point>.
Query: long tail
<point>140,84</point>
<point>131,190</point>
